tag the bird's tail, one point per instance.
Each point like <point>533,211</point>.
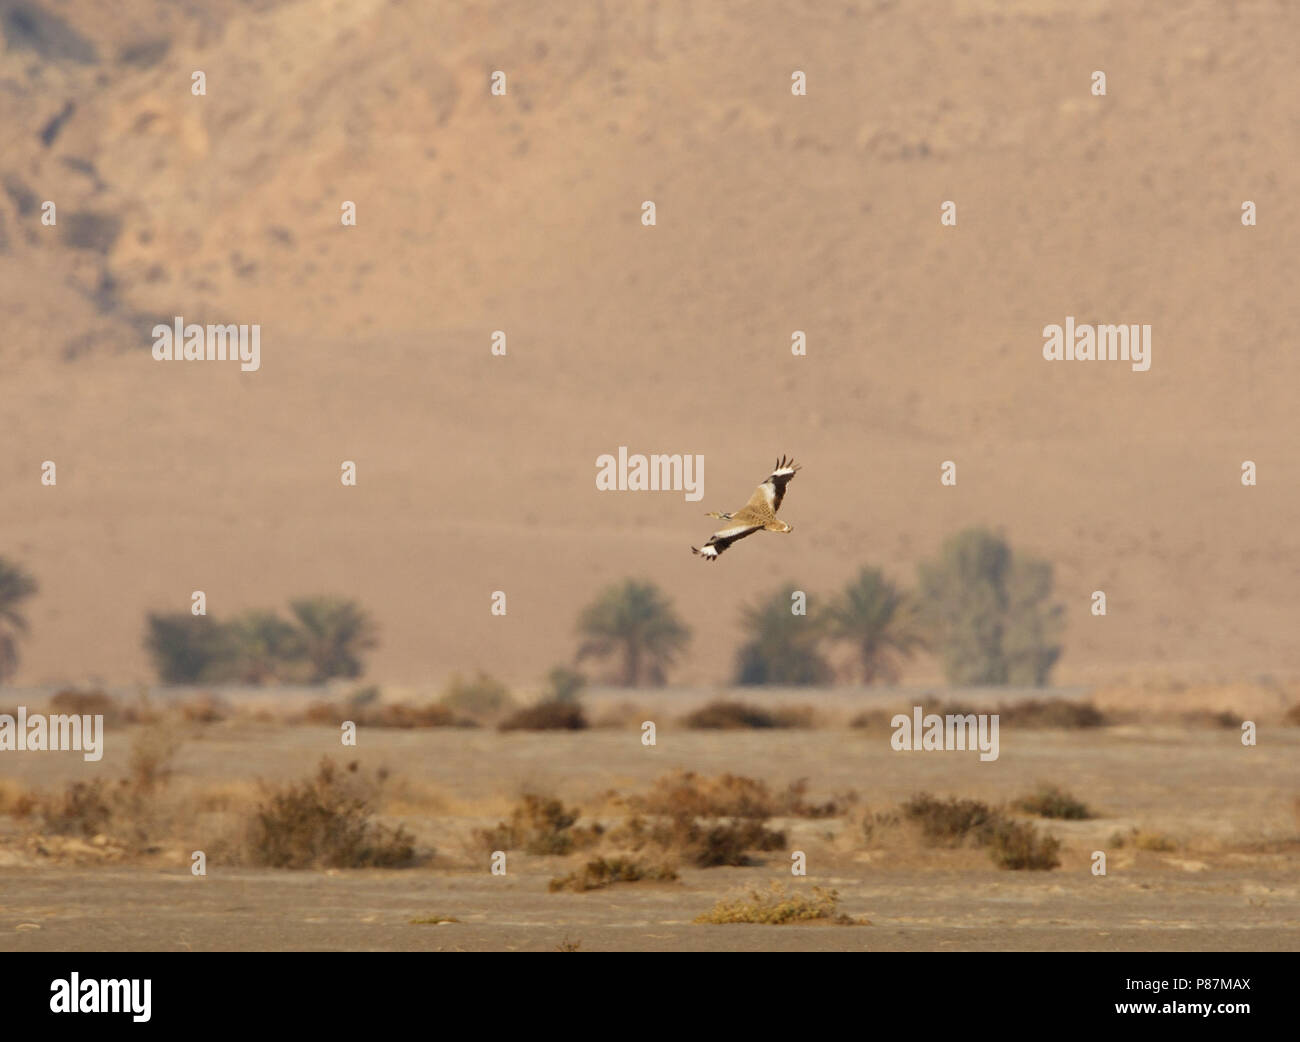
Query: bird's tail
<point>719,515</point>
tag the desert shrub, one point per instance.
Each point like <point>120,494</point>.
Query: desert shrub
<point>325,821</point>
<point>729,843</point>
<point>988,612</point>
<point>1018,845</point>
<point>948,822</point>
<point>484,696</point>
<point>603,872</point>
<point>1034,713</point>
<point>681,814</point>
<point>722,715</point>
<point>1052,802</point>
<point>1051,713</point>
<point>546,716</point>
<point>726,796</point>
<point>83,808</point>
<point>396,714</point>
<point>540,825</point>
<point>774,906</point>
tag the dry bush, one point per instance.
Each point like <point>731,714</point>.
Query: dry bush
<point>1035,713</point>
<point>539,825</point>
<point>546,716</point>
<point>603,872</point>
<point>777,905</point>
<point>325,821</point>
<point>948,822</point>
<point>726,796</point>
<point>1050,801</point>
<point>1018,845</point>
<point>733,796</point>
<point>82,808</point>
<point>722,715</point>
<point>729,843</point>
<point>397,715</point>
<point>682,813</point>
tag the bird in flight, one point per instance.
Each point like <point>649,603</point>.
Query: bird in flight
<point>758,513</point>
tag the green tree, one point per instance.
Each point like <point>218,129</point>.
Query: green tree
<point>636,622</point>
<point>988,609</point>
<point>879,621</point>
<point>186,648</point>
<point>333,633</point>
<point>15,587</point>
<point>782,647</point>
<point>259,647</point>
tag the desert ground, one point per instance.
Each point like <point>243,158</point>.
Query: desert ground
<point>1218,867</point>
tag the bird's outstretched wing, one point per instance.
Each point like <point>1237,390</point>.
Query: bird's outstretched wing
<point>769,494</point>
<point>723,538</point>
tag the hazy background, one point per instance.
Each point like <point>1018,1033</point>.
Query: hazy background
<point>522,213</point>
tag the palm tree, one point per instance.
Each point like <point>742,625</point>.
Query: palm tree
<point>15,587</point>
<point>879,621</point>
<point>782,648</point>
<point>636,621</point>
<point>334,632</point>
